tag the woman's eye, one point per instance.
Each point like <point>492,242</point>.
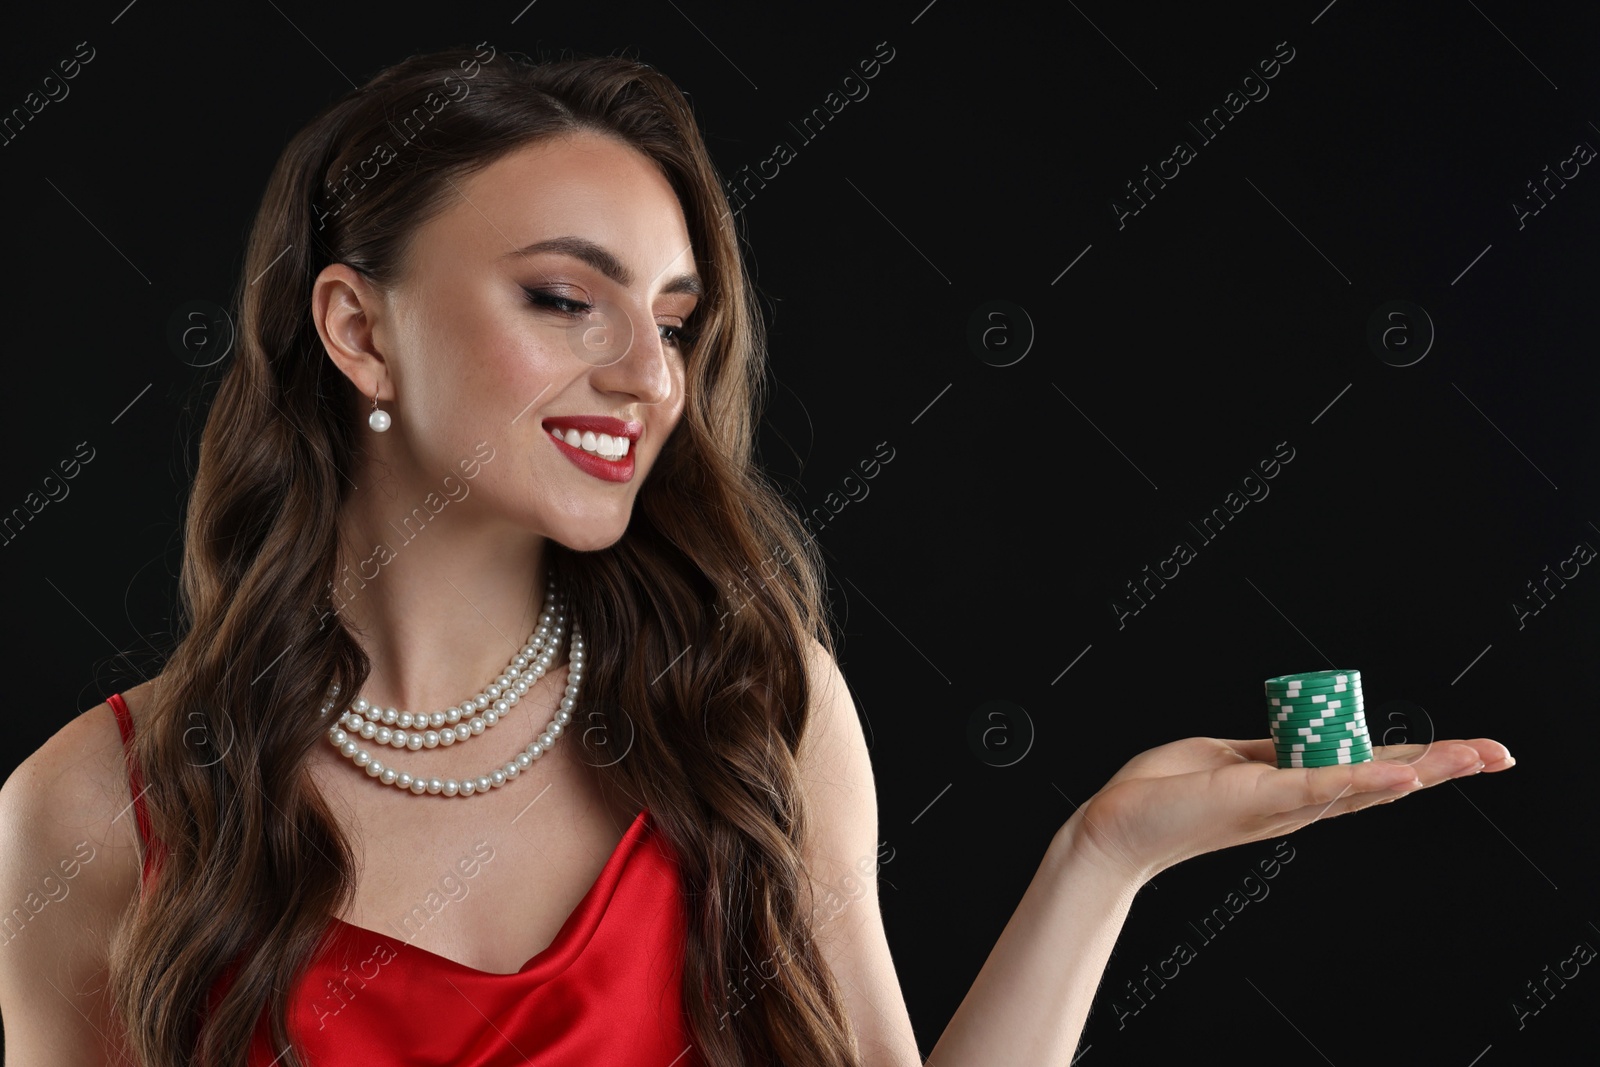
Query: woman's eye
<point>679,336</point>
<point>559,304</point>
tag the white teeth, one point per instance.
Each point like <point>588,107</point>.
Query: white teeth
<point>603,445</point>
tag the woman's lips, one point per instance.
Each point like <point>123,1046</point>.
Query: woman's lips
<point>633,430</point>
<point>620,470</point>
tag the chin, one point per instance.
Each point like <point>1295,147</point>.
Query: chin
<point>594,538</point>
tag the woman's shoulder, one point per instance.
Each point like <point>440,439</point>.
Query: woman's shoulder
<point>69,869</point>
<point>81,766</point>
<point>68,829</point>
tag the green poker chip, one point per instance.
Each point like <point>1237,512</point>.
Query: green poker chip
<point>1330,739</point>
<point>1332,718</point>
<point>1314,699</point>
<point>1314,760</point>
<point>1326,687</point>
<point>1314,741</point>
<point>1349,743</point>
<point>1320,744</point>
<point>1312,679</point>
<point>1322,759</point>
<point>1311,691</point>
<point>1338,730</point>
<point>1296,763</point>
<point>1327,715</point>
<point>1289,726</point>
<point>1313,696</point>
<point>1305,759</point>
<point>1311,711</point>
<point>1322,735</point>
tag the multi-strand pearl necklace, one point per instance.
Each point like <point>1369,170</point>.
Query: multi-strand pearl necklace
<point>403,729</point>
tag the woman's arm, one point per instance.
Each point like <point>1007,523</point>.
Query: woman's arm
<point>1032,995</point>
<point>1030,1000</point>
<point>67,869</point>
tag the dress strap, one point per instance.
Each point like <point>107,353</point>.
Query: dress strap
<point>135,778</point>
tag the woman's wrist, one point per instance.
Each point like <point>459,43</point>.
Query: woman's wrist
<point>1085,847</point>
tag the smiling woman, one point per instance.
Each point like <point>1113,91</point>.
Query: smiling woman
<point>552,271</point>
<point>554,274</point>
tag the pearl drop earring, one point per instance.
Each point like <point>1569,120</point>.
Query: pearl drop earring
<point>379,420</point>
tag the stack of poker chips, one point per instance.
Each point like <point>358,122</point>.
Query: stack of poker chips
<point>1318,719</point>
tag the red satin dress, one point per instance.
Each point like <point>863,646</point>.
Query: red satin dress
<point>606,991</point>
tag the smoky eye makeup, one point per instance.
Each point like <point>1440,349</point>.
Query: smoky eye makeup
<point>681,336</point>
<point>556,300</point>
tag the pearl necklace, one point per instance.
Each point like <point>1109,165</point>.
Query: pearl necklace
<point>418,785</point>
<point>482,711</point>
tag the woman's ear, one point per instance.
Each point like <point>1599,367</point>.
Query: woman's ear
<point>346,307</point>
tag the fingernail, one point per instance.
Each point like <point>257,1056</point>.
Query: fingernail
<point>1407,786</point>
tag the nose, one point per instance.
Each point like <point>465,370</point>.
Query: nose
<point>626,352</point>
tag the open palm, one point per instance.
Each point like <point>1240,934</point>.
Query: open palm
<point>1201,794</point>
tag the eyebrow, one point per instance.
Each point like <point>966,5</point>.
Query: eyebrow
<point>602,260</point>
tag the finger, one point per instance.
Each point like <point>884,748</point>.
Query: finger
<point>1494,755</point>
<point>1352,802</point>
<point>1295,820</point>
<point>1432,763</point>
<point>1256,750</point>
<point>1287,790</point>
<point>1448,759</point>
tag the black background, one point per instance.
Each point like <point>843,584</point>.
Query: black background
<point>1180,348</point>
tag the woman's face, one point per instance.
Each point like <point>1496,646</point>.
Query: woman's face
<point>552,291</point>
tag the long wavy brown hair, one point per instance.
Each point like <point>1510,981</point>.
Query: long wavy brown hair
<point>253,866</point>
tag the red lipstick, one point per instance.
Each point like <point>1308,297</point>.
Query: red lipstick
<point>619,470</point>
<point>598,424</point>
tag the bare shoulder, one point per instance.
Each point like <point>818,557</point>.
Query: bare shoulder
<point>833,747</point>
<point>835,770</point>
<point>69,868</point>
<point>75,784</point>
<point>842,854</point>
